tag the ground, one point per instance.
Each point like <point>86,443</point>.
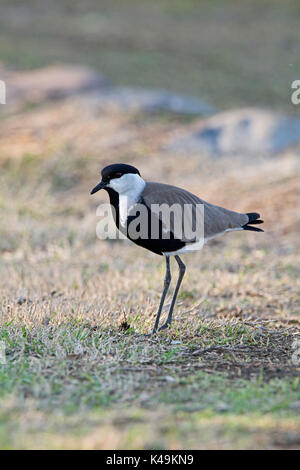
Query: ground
<point>78,372</point>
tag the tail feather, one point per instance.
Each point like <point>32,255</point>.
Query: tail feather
<point>254,229</point>
<point>254,219</point>
<point>259,221</point>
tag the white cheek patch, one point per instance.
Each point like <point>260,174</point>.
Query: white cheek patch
<point>119,184</point>
<point>129,184</point>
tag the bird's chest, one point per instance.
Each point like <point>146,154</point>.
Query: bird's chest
<point>126,204</point>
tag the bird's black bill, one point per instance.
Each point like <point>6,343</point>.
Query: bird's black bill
<point>99,186</point>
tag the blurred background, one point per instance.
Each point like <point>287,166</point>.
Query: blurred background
<point>229,53</point>
<point>154,84</point>
<point>195,93</point>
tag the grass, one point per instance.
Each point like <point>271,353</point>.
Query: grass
<point>73,309</point>
<point>79,373</point>
<point>68,372</point>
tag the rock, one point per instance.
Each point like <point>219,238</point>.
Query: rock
<point>168,378</point>
<point>21,300</point>
<point>223,407</point>
<point>56,82</point>
<point>130,99</point>
<point>249,131</point>
<point>48,83</point>
<point>46,321</point>
<point>295,405</point>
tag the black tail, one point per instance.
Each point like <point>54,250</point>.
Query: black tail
<point>254,219</point>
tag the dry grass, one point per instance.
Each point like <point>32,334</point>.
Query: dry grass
<point>79,372</point>
<point>73,309</point>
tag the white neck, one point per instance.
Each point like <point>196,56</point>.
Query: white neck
<point>129,187</point>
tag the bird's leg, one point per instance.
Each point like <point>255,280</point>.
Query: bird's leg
<point>164,293</point>
<point>180,277</point>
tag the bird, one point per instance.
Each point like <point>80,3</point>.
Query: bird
<point>128,191</point>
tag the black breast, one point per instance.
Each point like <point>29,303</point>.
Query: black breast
<point>158,245</point>
<point>114,201</point>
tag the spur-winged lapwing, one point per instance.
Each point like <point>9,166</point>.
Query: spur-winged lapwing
<point>128,191</point>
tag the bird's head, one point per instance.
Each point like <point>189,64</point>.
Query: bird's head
<point>120,178</point>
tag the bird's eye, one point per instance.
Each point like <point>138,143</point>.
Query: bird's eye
<point>117,175</point>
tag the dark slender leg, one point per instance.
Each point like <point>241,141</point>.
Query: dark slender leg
<point>164,293</point>
<point>180,277</point>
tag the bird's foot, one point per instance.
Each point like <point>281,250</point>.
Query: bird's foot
<point>164,326</point>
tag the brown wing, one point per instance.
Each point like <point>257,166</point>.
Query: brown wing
<point>216,219</point>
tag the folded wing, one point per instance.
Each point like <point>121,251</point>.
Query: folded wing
<point>216,221</point>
